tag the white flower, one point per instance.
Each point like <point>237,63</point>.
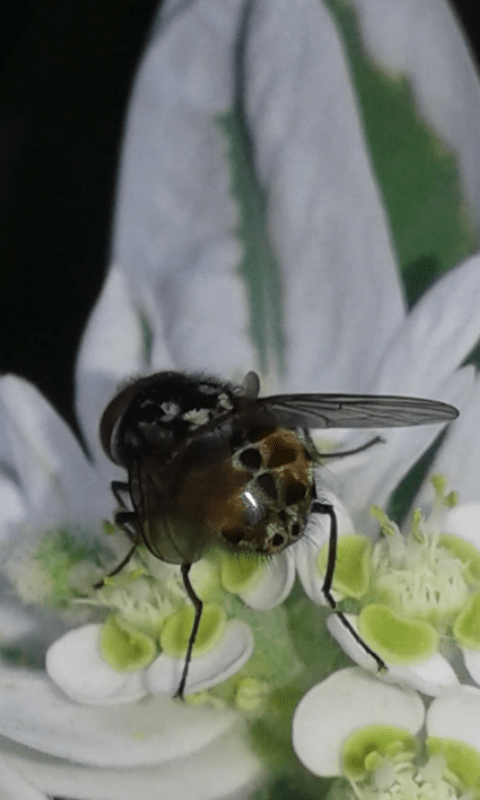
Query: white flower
<point>369,732</point>
<point>176,276</point>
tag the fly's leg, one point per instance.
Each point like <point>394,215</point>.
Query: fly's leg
<point>326,508</point>
<point>126,521</point>
<point>121,492</point>
<point>342,453</point>
<point>198,606</point>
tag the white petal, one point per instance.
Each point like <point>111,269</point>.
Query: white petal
<point>14,787</point>
<point>58,484</point>
<point>12,515</point>
<point>346,701</point>
<point>175,222</point>
<point>455,716</point>
<point>112,349</point>
<point>436,336</point>
<point>33,712</point>
<point>421,39</point>
<point>74,662</point>
<point>317,533</point>
<point>464,521</point>
<point>421,361</point>
<point>432,677</point>
<point>226,767</point>
<point>274,585</point>
<point>325,214</point>
<point>226,658</point>
<point>15,620</point>
<point>459,455</point>
<point>349,644</point>
<point>471,659</point>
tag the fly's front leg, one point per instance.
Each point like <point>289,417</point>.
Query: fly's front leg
<point>325,508</point>
<point>121,493</point>
<point>126,521</point>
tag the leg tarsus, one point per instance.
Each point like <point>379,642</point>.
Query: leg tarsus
<point>120,491</point>
<point>118,568</point>
<point>360,449</point>
<point>326,508</point>
<point>198,606</point>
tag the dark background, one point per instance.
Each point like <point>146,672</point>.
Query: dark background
<point>66,67</point>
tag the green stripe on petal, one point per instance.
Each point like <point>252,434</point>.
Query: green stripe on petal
<point>352,566</point>
<point>461,759</point>
<point>124,647</point>
<point>396,640</point>
<point>431,225</point>
<point>259,267</point>
<point>365,749</point>
<point>176,631</point>
<point>466,627</point>
<point>467,553</point>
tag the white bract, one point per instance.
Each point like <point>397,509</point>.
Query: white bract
<point>176,275</point>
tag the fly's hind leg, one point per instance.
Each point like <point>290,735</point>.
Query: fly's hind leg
<point>325,508</point>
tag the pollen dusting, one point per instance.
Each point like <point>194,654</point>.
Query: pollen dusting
<point>196,417</point>
<point>170,410</point>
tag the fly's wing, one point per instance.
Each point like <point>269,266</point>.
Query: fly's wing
<point>350,411</point>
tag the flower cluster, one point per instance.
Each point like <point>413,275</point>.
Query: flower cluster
<point>140,644</point>
<point>416,595</point>
<point>371,733</point>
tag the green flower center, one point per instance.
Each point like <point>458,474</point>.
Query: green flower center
<point>381,763</point>
<point>418,576</point>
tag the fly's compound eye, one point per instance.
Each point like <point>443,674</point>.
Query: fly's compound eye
<point>254,510</point>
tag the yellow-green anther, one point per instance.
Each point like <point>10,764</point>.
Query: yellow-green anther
<point>451,499</point>
<point>417,520</point>
<point>387,526</point>
<point>439,483</point>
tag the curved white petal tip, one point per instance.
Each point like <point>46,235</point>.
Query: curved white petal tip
<point>317,534</point>
<point>348,643</point>
<point>464,521</point>
<point>74,662</point>
<point>433,677</point>
<point>455,715</point>
<point>346,701</point>
<point>471,659</point>
<point>225,659</point>
<point>274,584</point>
